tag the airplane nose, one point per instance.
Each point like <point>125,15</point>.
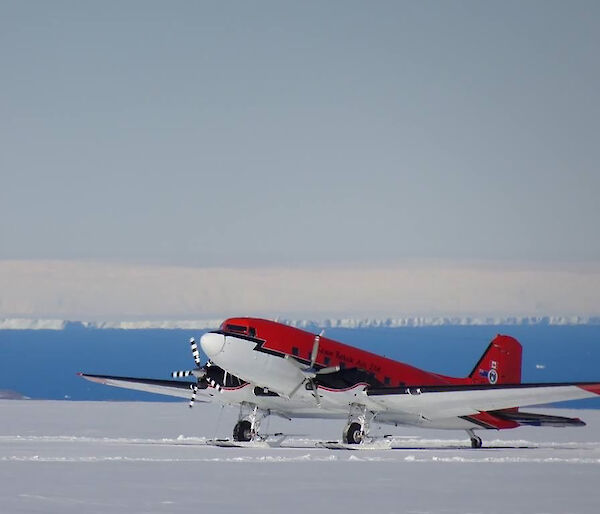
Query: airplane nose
<point>212,344</point>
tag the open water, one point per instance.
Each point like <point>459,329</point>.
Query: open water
<point>42,364</point>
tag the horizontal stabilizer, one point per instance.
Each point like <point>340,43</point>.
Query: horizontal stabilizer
<point>538,420</point>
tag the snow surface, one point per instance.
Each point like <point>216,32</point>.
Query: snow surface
<point>98,457</point>
<point>204,324</point>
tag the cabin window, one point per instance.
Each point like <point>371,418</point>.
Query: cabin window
<point>251,331</point>
<point>327,361</point>
<point>236,328</point>
<point>386,381</point>
<point>295,350</point>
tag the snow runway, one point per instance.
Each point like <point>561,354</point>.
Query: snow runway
<point>101,457</point>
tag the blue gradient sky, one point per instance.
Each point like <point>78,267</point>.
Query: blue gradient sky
<point>294,134</point>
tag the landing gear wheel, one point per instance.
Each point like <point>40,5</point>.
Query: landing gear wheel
<point>476,442</point>
<point>352,433</point>
<point>242,431</point>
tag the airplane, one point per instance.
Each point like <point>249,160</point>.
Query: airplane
<point>269,368</point>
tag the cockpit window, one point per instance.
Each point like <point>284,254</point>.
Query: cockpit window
<point>236,328</point>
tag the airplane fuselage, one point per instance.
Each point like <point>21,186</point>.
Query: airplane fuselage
<point>261,353</point>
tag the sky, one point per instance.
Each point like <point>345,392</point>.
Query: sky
<point>298,135</point>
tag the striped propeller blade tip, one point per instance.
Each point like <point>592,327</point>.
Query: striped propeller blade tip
<point>195,352</point>
<point>181,374</point>
<point>193,398</point>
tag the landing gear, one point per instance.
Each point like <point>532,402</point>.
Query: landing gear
<point>475,440</point>
<point>357,428</point>
<point>242,431</point>
<point>250,417</point>
<point>353,433</point>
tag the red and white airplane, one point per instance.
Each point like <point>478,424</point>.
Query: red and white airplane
<point>267,368</point>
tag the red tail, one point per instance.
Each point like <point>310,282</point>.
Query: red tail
<point>500,364</point>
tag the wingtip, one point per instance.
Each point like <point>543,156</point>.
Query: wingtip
<point>591,388</point>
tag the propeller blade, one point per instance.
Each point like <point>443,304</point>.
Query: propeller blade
<point>295,390</point>
<point>295,362</point>
<point>326,371</point>
<point>195,352</point>
<point>193,398</point>
<point>315,392</point>
<point>215,385</point>
<point>181,374</point>
<point>315,351</point>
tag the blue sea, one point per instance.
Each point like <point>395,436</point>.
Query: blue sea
<point>42,364</point>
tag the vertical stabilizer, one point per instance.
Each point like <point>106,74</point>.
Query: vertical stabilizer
<point>500,364</point>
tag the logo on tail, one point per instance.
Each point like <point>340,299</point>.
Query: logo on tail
<point>500,363</point>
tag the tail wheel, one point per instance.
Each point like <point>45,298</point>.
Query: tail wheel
<point>242,431</point>
<point>352,433</point>
<point>476,442</point>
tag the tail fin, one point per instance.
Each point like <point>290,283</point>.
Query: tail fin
<point>500,364</point>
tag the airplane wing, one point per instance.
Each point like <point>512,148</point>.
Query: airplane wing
<point>150,385</point>
<point>438,402</point>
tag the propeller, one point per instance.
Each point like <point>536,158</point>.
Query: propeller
<point>199,372</point>
<point>311,373</point>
